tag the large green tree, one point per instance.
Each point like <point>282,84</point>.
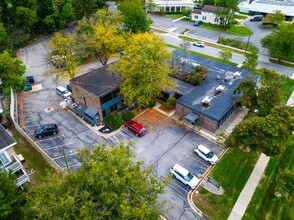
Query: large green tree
<point>11,71</point>
<point>250,62</point>
<point>267,134</point>
<point>145,69</point>
<point>12,198</point>
<point>135,18</point>
<point>280,43</point>
<point>277,18</point>
<point>111,184</point>
<point>226,11</point>
<point>86,8</point>
<point>3,38</point>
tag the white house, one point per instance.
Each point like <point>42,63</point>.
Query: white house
<point>174,5</point>
<point>9,160</point>
<point>270,6</point>
<point>207,14</point>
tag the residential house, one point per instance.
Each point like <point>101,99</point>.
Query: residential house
<point>100,89</point>
<point>173,5</point>
<point>207,14</point>
<point>9,160</point>
<point>270,6</point>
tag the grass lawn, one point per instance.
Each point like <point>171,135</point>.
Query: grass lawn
<point>33,159</point>
<point>203,55</point>
<point>240,16</point>
<point>282,63</point>
<point>235,30</point>
<point>175,16</point>
<point>232,172</point>
<point>264,204</point>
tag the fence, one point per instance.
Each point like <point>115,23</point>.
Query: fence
<point>14,117</point>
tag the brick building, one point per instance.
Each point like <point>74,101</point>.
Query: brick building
<point>100,89</point>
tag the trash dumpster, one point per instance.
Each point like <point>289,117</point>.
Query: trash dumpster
<point>27,86</point>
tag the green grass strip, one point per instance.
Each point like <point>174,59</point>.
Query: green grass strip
<point>281,63</point>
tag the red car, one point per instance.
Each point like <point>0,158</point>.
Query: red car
<point>135,127</point>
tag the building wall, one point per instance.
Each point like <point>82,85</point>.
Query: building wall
<point>203,121</point>
<point>205,17</point>
<point>86,98</point>
<point>174,6</point>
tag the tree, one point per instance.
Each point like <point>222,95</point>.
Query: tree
<point>280,43</point>
<point>250,62</point>
<point>111,184</point>
<point>249,94</point>
<point>225,55</point>
<point>197,76</point>
<point>277,18</point>
<point>144,68</point>
<point>64,55</point>
<point>3,38</point>
<point>86,8</point>
<point>185,45</point>
<point>150,5</point>
<point>267,134</point>
<point>11,71</point>
<point>226,10</point>
<point>11,196</point>
<point>186,12</point>
<point>135,19</point>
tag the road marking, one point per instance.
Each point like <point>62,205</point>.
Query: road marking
<point>46,139</point>
<point>55,158</point>
<point>65,145</point>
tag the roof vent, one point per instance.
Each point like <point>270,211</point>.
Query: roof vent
<point>220,88</point>
<point>206,100</point>
<point>237,74</point>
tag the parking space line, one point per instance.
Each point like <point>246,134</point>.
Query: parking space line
<point>177,185</point>
<point>198,159</point>
<point>78,164</point>
<point>65,145</point>
<point>47,139</point>
<point>54,158</point>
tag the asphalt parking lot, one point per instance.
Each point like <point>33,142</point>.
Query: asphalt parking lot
<point>165,144</point>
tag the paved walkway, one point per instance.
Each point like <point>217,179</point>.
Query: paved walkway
<point>248,191</point>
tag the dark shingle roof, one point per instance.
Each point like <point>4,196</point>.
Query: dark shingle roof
<point>98,82</point>
<point>197,11</point>
<point>5,139</point>
<point>211,8</point>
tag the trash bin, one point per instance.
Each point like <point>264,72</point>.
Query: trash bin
<point>27,86</point>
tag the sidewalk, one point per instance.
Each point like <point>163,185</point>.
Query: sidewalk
<point>249,189</point>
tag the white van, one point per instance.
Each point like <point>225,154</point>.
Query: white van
<point>184,176</point>
<point>63,92</point>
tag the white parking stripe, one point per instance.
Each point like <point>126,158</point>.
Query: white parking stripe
<point>55,158</point>
<point>65,145</point>
<point>46,139</point>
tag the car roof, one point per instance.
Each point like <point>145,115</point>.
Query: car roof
<point>137,125</point>
<point>203,149</point>
<point>49,125</point>
<point>61,88</point>
<point>180,169</point>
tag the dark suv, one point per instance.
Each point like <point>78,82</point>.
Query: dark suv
<point>45,130</point>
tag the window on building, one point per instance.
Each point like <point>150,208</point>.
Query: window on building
<point>178,8</point>
<point>4,159</point>
<point>172,9</point>
<point>106,98</point>
<point>195,16</point>
<point>116,93</point>
<point>167,9</point>
<point>216,20</point>
<point>204,18</point>
<point>107,111</point>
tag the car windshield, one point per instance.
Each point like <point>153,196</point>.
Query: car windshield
<point>142,130</point>
<point>210,155</point>
<point>189,177</point>
<point>65,91</point>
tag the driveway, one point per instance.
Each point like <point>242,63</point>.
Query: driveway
<point>165,144</point>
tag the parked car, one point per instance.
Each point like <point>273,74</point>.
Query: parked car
<point>256,18</point>
<point>45,130</point>
<point>197,23</point>
<point>206,154</point>
<point>184,176</point>
<point>199,44</point>
<point>63,92</point>
<point>135,127</point>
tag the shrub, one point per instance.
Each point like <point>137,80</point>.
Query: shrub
<point>197,76</point>
<point>170,103</point>
<point>127,115</point>
<point>114,121</point>
<point>236,42</point>
<point>152,103</point>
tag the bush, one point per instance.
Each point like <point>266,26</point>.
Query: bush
<point>197,76</point>
<point>114,121</point>
<point>152,103</point>
<point>170,103</point>
<point>127,115</point>
<point>236,42</point>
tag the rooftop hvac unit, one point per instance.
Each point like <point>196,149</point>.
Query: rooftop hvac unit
<point>220,88</point>
<point>206,100</point>
<point>195,64</point>
<point>237,74</point>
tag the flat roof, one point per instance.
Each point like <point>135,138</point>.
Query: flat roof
<point>99,82</point>
<point>276,2</point>
<point>6,140</point>
<point>220,74</point>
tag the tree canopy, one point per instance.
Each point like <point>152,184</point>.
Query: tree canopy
<point>111,184</point>
<point>267,134</point>
<point>12,198</point>
<point>145,69</point>
<point>250,62</point>
<point>280,43</point>
<point>226,11</point>
<point>226,55</point>
<point>277,18</point>
<point>11,71</point>
<point>135,18</point>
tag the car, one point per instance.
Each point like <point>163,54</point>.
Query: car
<point>197,23</point>
<point>184,176</point>
<point>206,154</point>
<point>45,130</point>
<point>199,44</point>
<point>63,92</point>
<point>135,127</point>
<point>256,18</point>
